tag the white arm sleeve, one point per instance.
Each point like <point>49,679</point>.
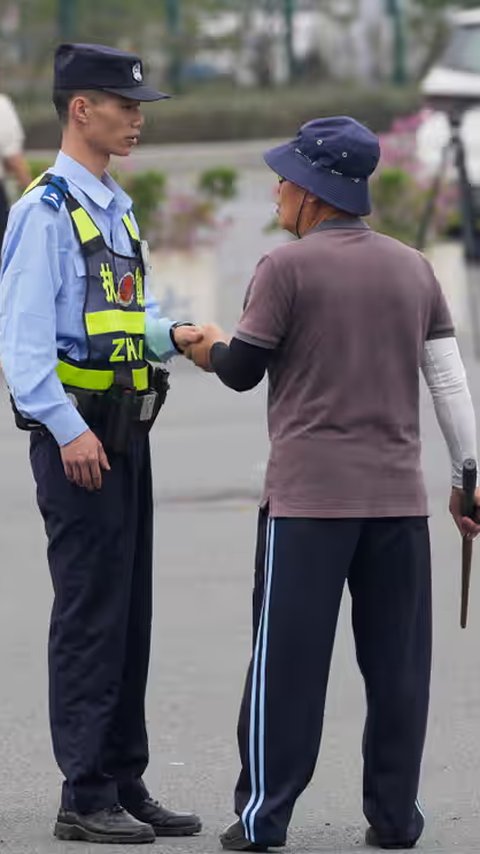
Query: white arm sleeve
<point>444,373</point>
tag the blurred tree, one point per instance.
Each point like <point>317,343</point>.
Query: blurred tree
<point>289,9</point>
<point>396,9</point>
<point>67,18</point>
<point>428,22</point>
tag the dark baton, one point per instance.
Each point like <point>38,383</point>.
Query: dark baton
<point>469,483</point>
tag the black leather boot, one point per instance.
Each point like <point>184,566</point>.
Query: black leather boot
<point>113,824</point>
<point>164,822</point>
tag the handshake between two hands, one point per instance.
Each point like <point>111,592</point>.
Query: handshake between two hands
<point>195,342</point>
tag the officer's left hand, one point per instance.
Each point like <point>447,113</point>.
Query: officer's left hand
<point>467,527</point>
<point>186,335</point>
<point>83,460</point>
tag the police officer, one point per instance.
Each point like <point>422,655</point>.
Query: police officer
<point>77,325</point>
<point>342,319</point>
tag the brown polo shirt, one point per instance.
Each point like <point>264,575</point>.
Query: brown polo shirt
<point>346,312</point>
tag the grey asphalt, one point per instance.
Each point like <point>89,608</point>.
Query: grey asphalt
<point>209,452</point>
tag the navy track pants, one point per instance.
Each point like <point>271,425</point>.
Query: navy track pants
<point>301,569</point>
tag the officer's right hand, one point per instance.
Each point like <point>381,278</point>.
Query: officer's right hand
<point>83,460</point>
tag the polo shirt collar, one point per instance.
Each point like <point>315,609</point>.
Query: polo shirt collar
<point>331,224</point>
<point>100,192</point>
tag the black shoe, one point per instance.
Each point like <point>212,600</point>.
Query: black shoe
<point>165,822</point>
<point>372,840</point>
<point>234,839</point>
<point>114,825</point>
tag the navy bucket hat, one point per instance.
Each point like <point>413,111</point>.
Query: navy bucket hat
<point>96,66</point>
<point>331,158</point>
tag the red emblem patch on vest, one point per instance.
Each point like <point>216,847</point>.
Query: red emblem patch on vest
<point>126,289</point>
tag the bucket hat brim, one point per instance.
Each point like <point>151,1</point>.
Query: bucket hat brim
<point>343,192</point>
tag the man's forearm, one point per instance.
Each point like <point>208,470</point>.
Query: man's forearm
<point>240,366</point>
<point>444,373</point>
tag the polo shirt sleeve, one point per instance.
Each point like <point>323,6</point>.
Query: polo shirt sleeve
<point>440,323</point>
<point>267,308</point>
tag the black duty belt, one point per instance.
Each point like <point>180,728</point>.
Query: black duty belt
<point>92,405</point>
<point>113,411</point>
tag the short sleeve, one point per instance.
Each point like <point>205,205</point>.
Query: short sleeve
<point>267,308</point>
<point>440,323</point>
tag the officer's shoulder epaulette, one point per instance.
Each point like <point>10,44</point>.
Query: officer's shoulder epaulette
<point>55,192</point>
<point>55,189</point>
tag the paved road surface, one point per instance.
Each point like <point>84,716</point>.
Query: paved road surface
<point>209,454</point>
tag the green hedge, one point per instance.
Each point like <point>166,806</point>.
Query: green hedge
<point>242,114</point>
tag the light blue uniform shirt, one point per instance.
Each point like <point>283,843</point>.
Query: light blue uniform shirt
<point>42,295</point>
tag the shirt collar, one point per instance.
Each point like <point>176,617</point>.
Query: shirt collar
<point>100,192</point>
<point>330,224</point>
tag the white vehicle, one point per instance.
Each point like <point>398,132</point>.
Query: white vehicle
<point>453,85</point>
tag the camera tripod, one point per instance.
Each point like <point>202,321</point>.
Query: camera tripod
<point>469,221</point>
<point>469,229</point>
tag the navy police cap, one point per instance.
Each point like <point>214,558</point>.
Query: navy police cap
<point>332,158</point>
<point>95,66</point>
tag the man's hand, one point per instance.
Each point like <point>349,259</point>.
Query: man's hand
<point>186,335</point>
<point>467,527</point>
<point>83,460</point>
<point>200,353</point>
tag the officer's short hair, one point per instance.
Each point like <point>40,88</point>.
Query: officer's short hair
<point>63,97</point>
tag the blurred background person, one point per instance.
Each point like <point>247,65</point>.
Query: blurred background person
<point>12,160</point>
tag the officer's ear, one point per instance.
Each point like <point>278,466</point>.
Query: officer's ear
<point>82,104</point>
<point>80,108</point>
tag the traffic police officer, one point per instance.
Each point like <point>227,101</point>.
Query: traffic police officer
<point>77,325</point>
<point>343,319</point>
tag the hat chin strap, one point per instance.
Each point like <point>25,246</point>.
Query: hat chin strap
<point>299,214</point>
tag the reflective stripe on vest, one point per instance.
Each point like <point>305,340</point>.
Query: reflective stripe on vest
<point>34,183</point>
<point>98,322</point>
<point>130,228</point>
<point>97,380</point>
<point>86,228</point>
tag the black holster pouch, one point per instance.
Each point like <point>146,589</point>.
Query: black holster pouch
<point>158,381</point>
<point>118,417</point>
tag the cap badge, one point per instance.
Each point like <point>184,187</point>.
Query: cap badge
<point>137,72</point>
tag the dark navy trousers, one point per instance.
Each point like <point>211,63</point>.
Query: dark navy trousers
<point>100,559</point>
<point>301,569</point>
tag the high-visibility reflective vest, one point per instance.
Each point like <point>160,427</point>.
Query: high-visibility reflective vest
<point>114,309</point>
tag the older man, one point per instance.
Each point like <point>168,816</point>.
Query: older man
<point>343,320</point>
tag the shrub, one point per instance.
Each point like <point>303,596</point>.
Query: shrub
<point>147,191</point>
<point>400,188</point>
<point>240,114</point>
<point>38,167</point>
<point>220,182</point>
<point>179,220</point>
<point>397,202</point>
